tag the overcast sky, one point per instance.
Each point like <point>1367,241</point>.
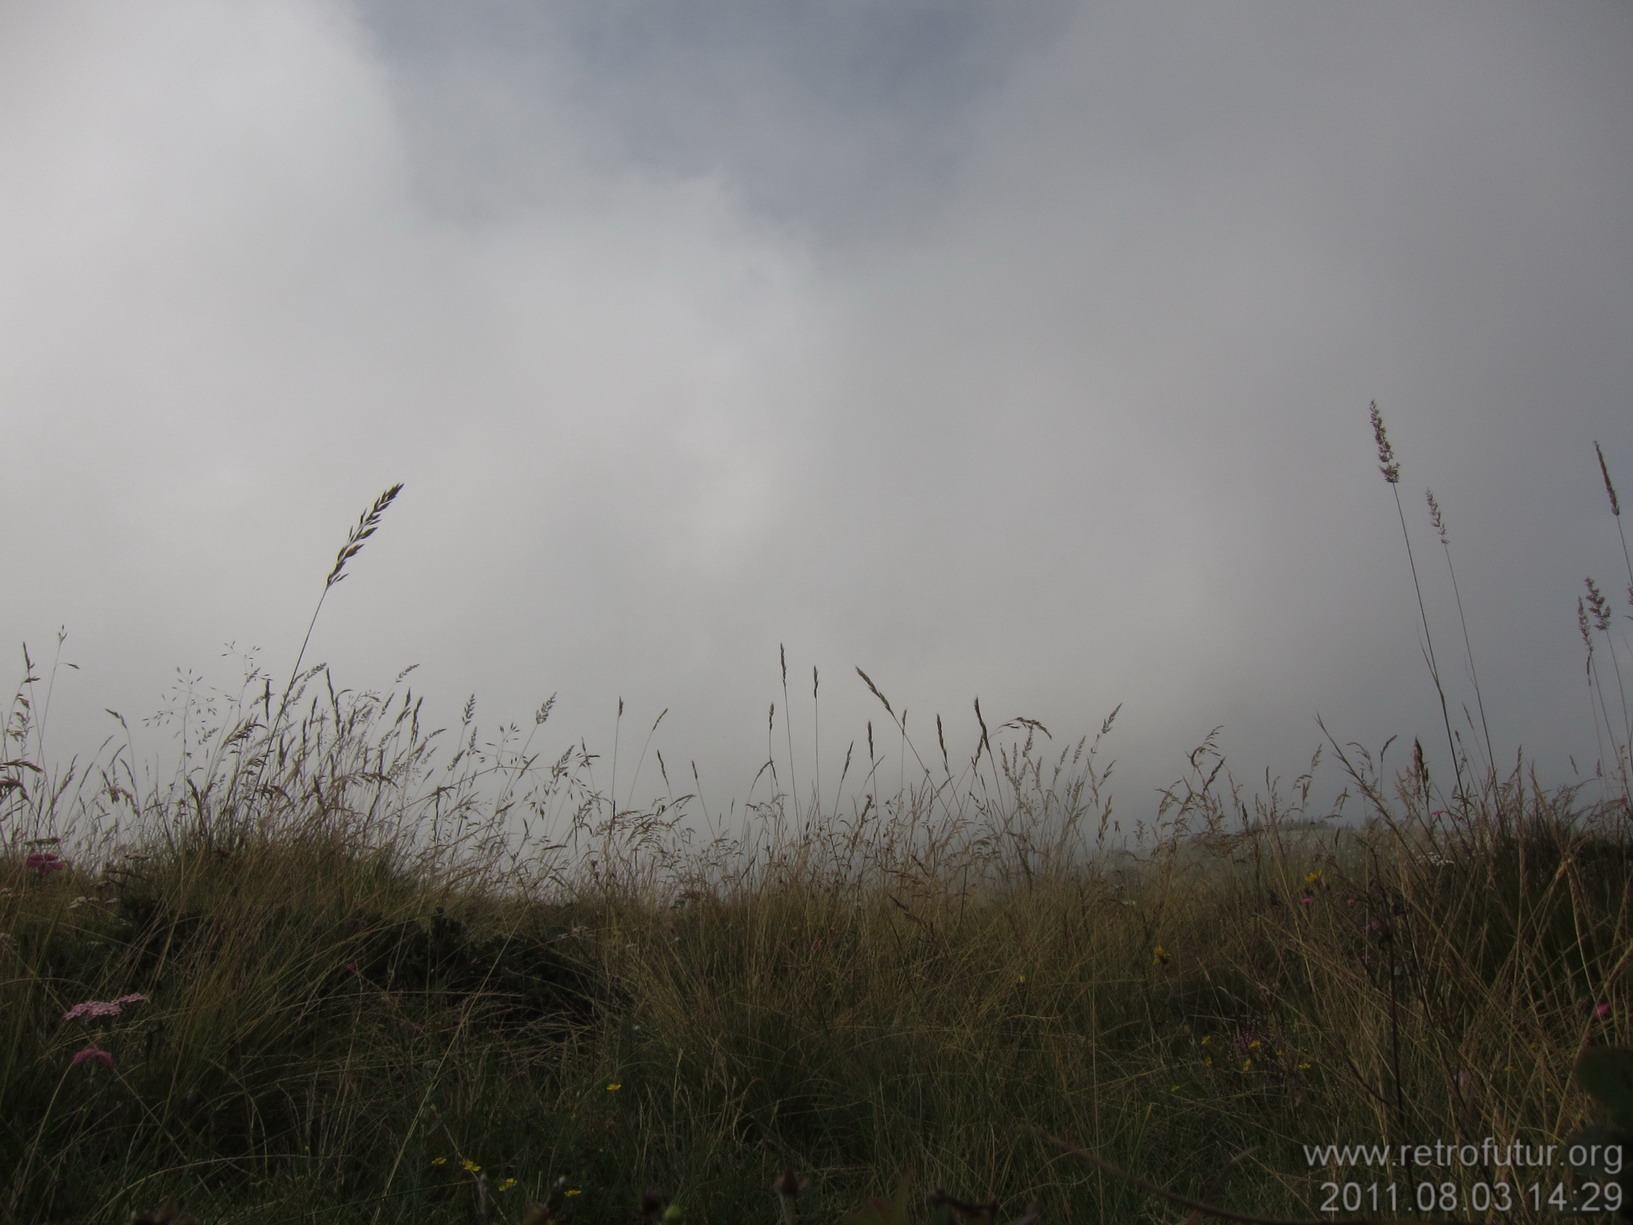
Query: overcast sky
<point>1013,350</point>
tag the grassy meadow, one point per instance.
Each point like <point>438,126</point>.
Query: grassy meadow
<point>251,993</point>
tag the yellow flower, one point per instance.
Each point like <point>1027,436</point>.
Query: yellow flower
<point>1314,878</point>
<point>439,1161</point>
<point>1159,956</point>
<point>506,1185</point>
<point>470,1166</point>
<point>1247,1065</point>
<point>575,1191</point>
<point>614,1087</point>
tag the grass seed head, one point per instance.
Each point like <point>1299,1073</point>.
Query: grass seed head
<point>1386,453</point>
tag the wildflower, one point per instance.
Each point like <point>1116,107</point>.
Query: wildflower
<point>439,1161</point>
<point>505,1184</point>
<point>91,1008</point>
<point>470,1166</point>
<point>1159,956</point>
<point>575,1191</point>
<point>614,1087</point>
<point>92,1052</point>
<point>1304,1067</point>
<point>1307,900</point>
<point>1601,1011</point>
<point>1247,1065</point>
<point>1313,878</point>
<point>45,861</point>
<point>102,1008</point>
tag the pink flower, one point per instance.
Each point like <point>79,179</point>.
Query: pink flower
<point>91,1008</point>
<point>1601,1011</point>
<point>92,1052</point>
<point>102,1008</point>
<point>45,861</point>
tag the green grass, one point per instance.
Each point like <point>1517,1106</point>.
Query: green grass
<point>331,995</point>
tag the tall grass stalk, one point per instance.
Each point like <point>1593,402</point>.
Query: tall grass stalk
<point>1601,606</point>
<point>1438,521</point>
<point>1392,474</point>
<point>367,523</point>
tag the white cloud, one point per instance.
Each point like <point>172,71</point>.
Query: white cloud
<point>1027,361</point>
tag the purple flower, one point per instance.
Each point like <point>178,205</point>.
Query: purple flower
<point>45,861</point>
<point>92,1052</point>
<point>1601,1011</point>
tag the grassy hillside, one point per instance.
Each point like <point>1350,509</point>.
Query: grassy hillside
<point>306,981</point>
